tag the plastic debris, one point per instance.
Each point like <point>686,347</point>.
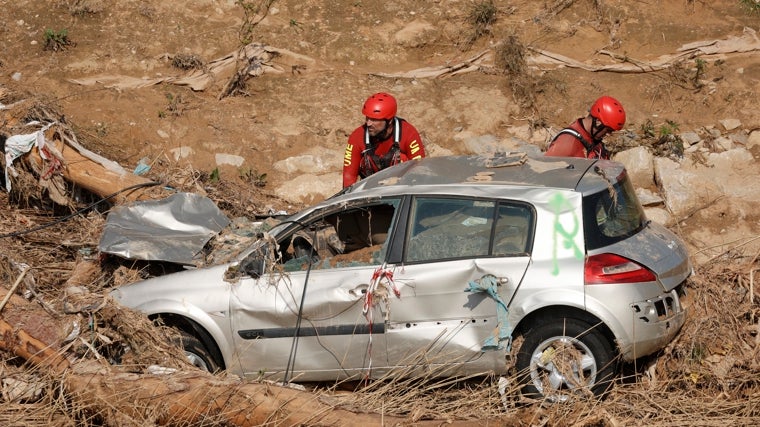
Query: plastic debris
<point>488,284</point>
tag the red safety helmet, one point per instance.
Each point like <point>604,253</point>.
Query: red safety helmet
<point>380,106</point>
<point>609,111</point>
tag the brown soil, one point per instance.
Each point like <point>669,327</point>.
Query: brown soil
<point>288,113</point>
<point>276,116</point>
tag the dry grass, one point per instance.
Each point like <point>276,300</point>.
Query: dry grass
<point>708,376</point>
<point>509,60</point>
<point>425,389</point>
<point>188,61</point>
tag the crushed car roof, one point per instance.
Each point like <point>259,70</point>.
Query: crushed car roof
<point>499,168</point>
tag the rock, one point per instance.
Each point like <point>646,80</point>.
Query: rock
<point>684,191</point>
<point>317,160</point>
<point>638,163</point>
<point>228,159</point>
<point>739,138</point>
<point>690,138</point>
<point>694,148</point>
<point>735,172</point>
<point>310,188</point>
<point>712,131</point>
<point>659,215</point>
<point>730,124</point>
<point>753,139</point>
<point>723,144</point>
<point>688,187</point>
<point>648,198</point>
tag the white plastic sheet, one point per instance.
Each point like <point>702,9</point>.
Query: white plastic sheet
<point>18,145</point>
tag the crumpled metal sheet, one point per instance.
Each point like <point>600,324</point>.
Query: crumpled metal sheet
<point>174,229</point>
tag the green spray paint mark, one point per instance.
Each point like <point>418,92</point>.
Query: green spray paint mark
<point>560,203</point>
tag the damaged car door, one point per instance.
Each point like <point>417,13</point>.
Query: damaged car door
<point>456,250</point>
<point>304,318</point>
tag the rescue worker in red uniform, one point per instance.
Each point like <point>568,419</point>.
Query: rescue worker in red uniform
<point>382,141</point>
<point>583,138</point>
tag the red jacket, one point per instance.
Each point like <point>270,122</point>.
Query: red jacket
<point>357,163</point>
<point>567,145</point>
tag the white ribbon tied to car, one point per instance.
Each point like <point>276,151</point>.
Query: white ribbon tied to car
<point>381,283</point>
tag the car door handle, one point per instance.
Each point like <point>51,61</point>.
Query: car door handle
<point>359,291</point>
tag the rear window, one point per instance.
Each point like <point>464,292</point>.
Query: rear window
<point>612,215</point>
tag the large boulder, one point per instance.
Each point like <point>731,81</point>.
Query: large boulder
<point>639,163</point>
<point>690,185</point>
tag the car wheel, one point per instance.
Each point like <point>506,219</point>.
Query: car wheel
<point>566,358</point>
<point>197,354</point>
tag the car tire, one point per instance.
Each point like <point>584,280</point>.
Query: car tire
<point>197,354</point>
<point>551,352</point>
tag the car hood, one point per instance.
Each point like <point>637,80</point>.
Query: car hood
<point>203,288</point>
<point>658,249</point>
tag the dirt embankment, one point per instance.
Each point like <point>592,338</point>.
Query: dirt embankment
<point>502,69</point>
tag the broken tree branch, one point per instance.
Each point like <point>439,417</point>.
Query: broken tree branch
<point>87,173</point>
<point>169,397</point>
<point>13,288</point>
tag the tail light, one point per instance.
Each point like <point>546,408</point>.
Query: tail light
<point>611,268</point>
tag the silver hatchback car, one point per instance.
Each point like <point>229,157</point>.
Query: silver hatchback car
<point>544,267</point>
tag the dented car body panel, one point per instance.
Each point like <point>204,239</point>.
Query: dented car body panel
<point>435,264</point>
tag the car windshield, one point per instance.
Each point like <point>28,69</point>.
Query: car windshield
<point>612,215</point>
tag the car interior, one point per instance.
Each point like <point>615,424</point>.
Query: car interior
<point>347,238</point>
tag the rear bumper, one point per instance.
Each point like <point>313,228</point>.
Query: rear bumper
<point>642,317</point>
<point>655,322</point>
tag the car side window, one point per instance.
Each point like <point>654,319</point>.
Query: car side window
<point>513,230</point>
<point>351,237</point>
<point>448,228</point>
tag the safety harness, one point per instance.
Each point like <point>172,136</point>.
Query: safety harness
<point>371,162</point>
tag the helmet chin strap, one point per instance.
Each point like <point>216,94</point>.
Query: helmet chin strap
<point>596,128</point>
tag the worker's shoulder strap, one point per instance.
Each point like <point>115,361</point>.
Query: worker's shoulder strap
<point>396,133</point>
<point>574,133</point>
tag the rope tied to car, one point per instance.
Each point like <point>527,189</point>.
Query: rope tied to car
<point>379,286</point>
<point>488,285</point>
